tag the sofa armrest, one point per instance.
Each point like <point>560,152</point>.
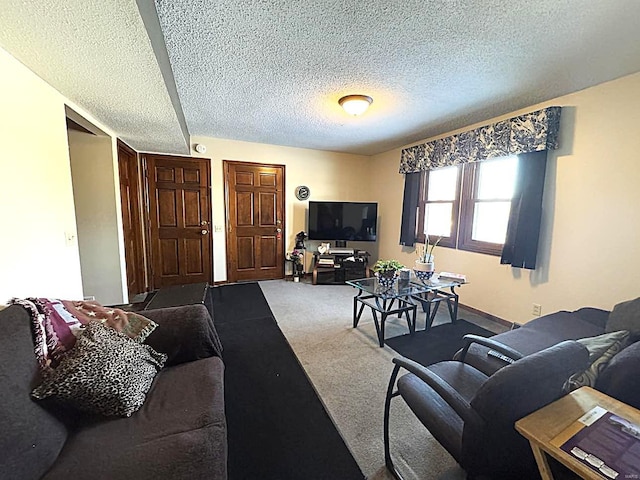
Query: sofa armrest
<point>184,333</point>
<point>530,383</point>
<point>487,342</point>
<point>442,388</point>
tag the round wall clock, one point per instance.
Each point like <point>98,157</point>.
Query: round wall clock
<point>303,192</point>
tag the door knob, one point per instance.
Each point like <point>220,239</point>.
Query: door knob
<point>278,230</point>
<point>204,222</point>
<point>204,232</point>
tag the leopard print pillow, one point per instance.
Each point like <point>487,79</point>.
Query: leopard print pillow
<point>106,372</point>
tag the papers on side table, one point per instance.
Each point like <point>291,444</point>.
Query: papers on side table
<point>605,442</point>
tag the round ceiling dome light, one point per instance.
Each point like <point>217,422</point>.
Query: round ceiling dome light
<point>355,104</point>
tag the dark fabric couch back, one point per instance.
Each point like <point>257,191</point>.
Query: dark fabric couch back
<point>30,437</point>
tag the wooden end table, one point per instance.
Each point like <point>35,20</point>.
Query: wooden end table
<point>544,425</point>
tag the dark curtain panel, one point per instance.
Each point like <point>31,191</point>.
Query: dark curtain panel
<point>410,209</point>
<point>521,245</point>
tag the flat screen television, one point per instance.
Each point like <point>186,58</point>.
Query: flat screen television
<point>342,221</point>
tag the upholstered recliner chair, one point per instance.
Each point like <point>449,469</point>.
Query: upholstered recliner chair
<point>473,415</point>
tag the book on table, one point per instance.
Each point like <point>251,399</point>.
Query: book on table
<point>605,442</point>
<point>452,277</point>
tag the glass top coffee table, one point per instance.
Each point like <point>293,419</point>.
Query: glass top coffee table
<point>402,299</point>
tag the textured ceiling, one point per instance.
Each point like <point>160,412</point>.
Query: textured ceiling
<point>98,54</point>
<point>272,71</point>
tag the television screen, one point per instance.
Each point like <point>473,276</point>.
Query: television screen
<point>355,221</point>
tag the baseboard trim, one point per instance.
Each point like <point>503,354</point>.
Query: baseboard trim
<point>286,277</point>
<point>488,316</point>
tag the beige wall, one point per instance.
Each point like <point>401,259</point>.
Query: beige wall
<point>94,193</point>
<point>329,175</point>
<point>38,245</point>
<point>589,253</point>
<point>39,253</point>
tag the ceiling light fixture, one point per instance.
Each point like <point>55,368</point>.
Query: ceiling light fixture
<point>355,104</point>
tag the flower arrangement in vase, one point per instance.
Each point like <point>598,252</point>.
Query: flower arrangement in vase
<point>424,265</point>
<point>296,257</point>
<point>387,271</point>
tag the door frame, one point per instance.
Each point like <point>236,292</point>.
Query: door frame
<point>147,212</point>
<point>225,174</point>
<point>143,274</point>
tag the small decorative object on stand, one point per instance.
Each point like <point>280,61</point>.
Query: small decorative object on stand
<point>324,248</point>
<point>300,238</point>
<point>296,258</point>
<point>387,271</point>
<point>424,266</point>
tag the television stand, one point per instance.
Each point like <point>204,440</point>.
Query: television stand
<point>341,251</point>
<point>335,268</point>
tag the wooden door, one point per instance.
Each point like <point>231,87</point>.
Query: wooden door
<point>179,219</point>
<point>254,196</point>
<point>133,231</point>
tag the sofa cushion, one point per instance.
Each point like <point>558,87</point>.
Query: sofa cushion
<point>180,432</point>
<point>537,335</point>
<point>106,373</point>
<point>625,316</point>
<point>601,349</point>
<point>620,378</point>
<point>31,438</point>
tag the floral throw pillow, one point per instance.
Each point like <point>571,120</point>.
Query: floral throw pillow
<point>106,373</point>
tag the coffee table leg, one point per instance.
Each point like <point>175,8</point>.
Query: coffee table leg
<point>428,312</point>
<point>452,304</point>
<point>431,314</point>
<point>357,314</point>
<point>412,328</point>
<point>379,325</point>
<point>410,311</point>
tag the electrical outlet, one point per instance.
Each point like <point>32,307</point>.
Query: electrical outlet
<point>537,309</point>
<point>218,229</point>
<point>89,298</point>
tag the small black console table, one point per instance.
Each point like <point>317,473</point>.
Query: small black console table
<point>178,295</point>
<point>338,268</point>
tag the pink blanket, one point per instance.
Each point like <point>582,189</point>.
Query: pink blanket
<point>57,323</point>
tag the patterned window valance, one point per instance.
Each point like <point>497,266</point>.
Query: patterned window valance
<point>531,132</point>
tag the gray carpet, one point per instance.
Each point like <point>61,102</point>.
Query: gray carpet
<point>350,373</point>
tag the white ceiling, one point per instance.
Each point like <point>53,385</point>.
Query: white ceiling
<point>272,71</point>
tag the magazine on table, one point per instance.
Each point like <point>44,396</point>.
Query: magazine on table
<point>605,442</point>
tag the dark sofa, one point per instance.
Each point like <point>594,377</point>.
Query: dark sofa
<point>470,404</point>
<point>179,433</point>
<point>617,379</point>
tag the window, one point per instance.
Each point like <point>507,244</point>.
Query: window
<point>468,205</point>
<point>438,205</point>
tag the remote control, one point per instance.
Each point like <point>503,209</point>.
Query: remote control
<point>498,355</point>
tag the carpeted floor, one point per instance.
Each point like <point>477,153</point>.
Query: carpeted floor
<point>277,426</point>
<point>350,373</point>
<point>436,344</point>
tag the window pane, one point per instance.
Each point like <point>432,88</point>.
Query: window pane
<point>442,184</point>
<point>490,221</point>
<point>437,219</point>
<point>497,178</point>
